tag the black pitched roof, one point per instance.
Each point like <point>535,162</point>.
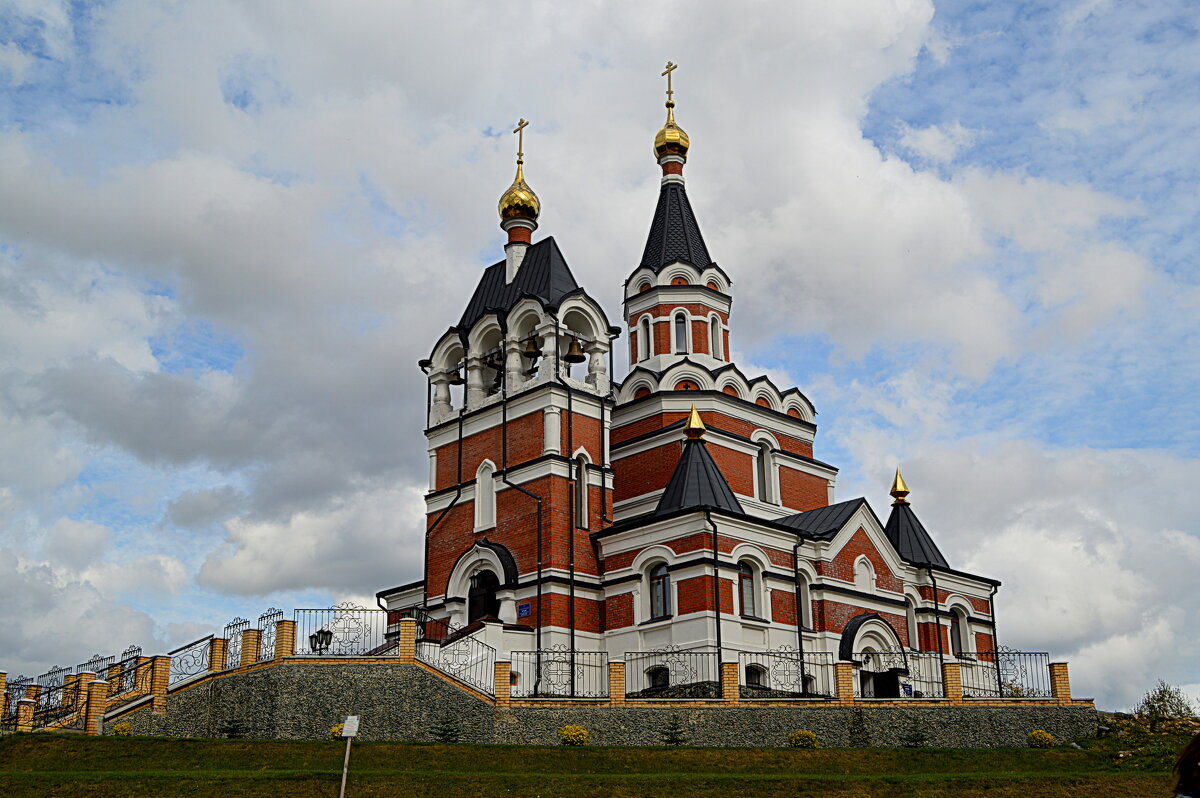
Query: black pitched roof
<point>697,483</point>
<point>824,522</point>
<point>674,233</point>
<point>544,274</point>
<point>912,542</point>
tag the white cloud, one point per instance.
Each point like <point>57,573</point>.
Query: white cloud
<point>939,144</point>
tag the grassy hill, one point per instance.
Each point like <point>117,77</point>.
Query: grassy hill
<point>72,765</point>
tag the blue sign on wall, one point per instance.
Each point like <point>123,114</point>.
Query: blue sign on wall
<point>523,610</point>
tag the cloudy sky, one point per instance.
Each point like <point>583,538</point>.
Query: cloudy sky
<point>229,230</point>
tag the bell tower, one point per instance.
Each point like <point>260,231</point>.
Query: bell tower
<point>519,409</point>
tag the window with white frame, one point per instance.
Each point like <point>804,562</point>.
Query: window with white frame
<point>747,589</point>
<point>645,342</point>
<point>804,613</point>
<point>485,496</point>
<point>681,334</point>
<point>660,591</point>
<point>864,575</point>
<point>715,342</point>
<point>764,463</point>
<point>581,492</point>
<point>958,632</point>
<point>910,617</point>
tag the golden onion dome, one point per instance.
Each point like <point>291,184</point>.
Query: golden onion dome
<point>671,140</point>
<point>519,201</point>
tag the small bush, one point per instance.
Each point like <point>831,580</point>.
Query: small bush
<point>803,738</point>
<point>573,735</point>
<point>674,733</point>
<point>447,730</point>
<point>1040,739</point>
<point>1163,702</point>
<point>123,729</point>
<point>335,731</point>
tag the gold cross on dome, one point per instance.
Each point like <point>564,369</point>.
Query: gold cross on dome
<point>520,131</point>
<point>667,74</point>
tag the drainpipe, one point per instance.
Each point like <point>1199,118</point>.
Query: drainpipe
<point>716,589</point>
<point>995,647</point>
<point>937,616</point>
<point>799,615</point>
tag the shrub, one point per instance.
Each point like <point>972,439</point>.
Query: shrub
<point>803,738</point>
<point>674,732</point>
<point>447,730</point>
<point>1040,739</point>
<point>573,735</point>
<point>1164,701</point>
<point>335,731</point>
<point>123,729</point>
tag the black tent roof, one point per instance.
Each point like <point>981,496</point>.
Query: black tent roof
<point>544,274</point>
<point>908,536</point>
<point>697,484</point>
<point>674,233</point>
<point>824,522</point>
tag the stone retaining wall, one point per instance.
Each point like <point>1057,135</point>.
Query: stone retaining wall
<point>298,700</point>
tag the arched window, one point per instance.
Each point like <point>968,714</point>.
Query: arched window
<point>714,338</point>
<point>864,575</point>
<point>658,677</point>
<point>765,472</point>
<point>958,627</point>
<point>910,615</point>
<point>681,334</point>
<point>481,598</point>
<point>804,615</point>
<point>581,492</point>
<point>746,590</point>
<point>756,676</point>
<point>645,342</point>
<point>485,496</point>
<point>660,591</point>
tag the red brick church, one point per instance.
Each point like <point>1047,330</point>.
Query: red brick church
<point>679,510</point>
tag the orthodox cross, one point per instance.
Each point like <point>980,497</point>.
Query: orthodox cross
<point>520,131</point>
<point>667,74</point>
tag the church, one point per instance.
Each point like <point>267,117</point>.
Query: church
<point>676,519</point>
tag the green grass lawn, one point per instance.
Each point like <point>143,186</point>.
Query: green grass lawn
<point>72,765</point>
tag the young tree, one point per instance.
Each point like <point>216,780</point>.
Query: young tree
<point>1164,701</point>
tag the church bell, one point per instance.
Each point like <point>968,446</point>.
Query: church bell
<point>575,352</point>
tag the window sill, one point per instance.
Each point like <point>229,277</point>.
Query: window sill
<point>659,619</point>
<point>754,619</point>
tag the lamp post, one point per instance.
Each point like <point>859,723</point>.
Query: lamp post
<point>320,640</point>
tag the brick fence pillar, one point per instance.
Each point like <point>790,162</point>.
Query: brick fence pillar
<point>408,641</point>
<point>93,710</point>
<point>730,689</point>
<point>952,682</point>
<point>25,714</point>
<point>616,682</point>
<point>216,654</point>
<point>1060,681</point>
<point>79,695</point>
<point>142,676</point>
<point>503,688</point>
<point>843,677</point>
<point>285,639</point>
<point>160,678</point>
<point>70,682</point>
<point>251,640</point>
<point>3,693</point>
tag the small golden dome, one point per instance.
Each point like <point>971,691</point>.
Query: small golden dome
<point>671,140</point>
<point>519,201</point>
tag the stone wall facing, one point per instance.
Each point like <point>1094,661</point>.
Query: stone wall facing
<point>300,700</point>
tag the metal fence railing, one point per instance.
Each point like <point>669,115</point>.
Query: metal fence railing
<point>98,665</point>
<point>898,674</point>
<point>672,673</point>
<point>190,661</point>
<point>1005,674</point>
<point>52,677</point>
<point>467,659</point>
<point>130,679</point>
<point>345,630</point>
<point>233,641</point>
<point>786,674</point>
<point>61,706</point>
<point>559,673</point>
<point>14,691</point>
<point>266,641</point>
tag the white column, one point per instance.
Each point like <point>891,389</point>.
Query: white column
<point>442,409</point>
<point>475,391</point>
<point>597,375</point>
<point>514,364</point>
<point>552,431</point>
<point>548,370</point>
<point>508,606</point>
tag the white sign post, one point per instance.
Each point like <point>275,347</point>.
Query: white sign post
<point>349,731</point>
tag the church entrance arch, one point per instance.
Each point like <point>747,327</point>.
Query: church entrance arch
<point>873,645</point>
<point>482,601</point>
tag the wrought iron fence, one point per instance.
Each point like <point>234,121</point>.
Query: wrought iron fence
<point>14,691</point>
<point>468,659</point>
<point>61,706</point>
<point>233,645</point>
<point>559,673</point>
<point>130,680</point>
<point>98,665</point>
<point>54,676</point>
<point>786,673</point>
<point>429,628</point>
<point>190,661</point>
<point>898,674</point>
<point>266,642</point>
<point>344,630</point>
<point>1005,673</point>
<point>672,673</point>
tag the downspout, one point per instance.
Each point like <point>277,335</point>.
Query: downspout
<point>995,647</point>
<point>504,478</point>
<point>937,616</point>
<point>799,615</point>
<point>449,507</point>
<point>716,590</point>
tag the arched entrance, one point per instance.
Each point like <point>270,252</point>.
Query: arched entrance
<point>871,643</point>
<point>482,601</point>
